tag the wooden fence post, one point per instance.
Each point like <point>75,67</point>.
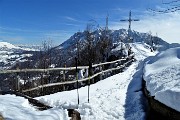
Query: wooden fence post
<point>17,83</point>
<point>100,69</point>
<point>77,79</point>
<point>64,77</point>
<point>17,78</point>
<point>42,83</point>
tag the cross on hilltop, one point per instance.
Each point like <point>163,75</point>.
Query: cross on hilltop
<point>129,29</point>
<point>129,20</point>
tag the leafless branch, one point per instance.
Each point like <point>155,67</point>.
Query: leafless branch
<point>175,1</point>
<point>169,10</point>
<point>172,6</point>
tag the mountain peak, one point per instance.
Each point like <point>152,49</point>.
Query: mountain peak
<point>8,45</point>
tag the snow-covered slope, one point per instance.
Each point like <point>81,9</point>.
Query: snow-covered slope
<point>142,50</point>
<point>9,46</point>
<point>118,97</point>
<point>18,108</point>
<point>6,45</point>
<point>10,54</point>
<point>162,75</point>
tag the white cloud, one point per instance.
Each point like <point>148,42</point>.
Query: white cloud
<point>165,25</point>
<point>70,18</point>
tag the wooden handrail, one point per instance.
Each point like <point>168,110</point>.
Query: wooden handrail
<point>59,69</point>
<point>74,81</point>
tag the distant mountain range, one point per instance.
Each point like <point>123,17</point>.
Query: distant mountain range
<point>11,54</point>
<point>67,51</point>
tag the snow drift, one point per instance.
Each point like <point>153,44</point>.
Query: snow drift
<point>162,76</point>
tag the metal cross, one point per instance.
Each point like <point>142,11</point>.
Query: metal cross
<point>129,20</point>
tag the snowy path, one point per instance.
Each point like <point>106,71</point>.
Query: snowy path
<point>111,99</point>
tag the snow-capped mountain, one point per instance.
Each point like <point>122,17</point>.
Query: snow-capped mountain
<point>68,49</point>
<point>116,36</point>
<point>11,54</point>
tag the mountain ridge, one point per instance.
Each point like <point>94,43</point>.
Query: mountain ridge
<point>65,53</point>
<point>117,35</point>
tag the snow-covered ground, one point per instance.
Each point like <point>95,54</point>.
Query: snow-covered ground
<point>162,75</point>
<point>10,54</point>
<point>117,97</point>
<point>18,108</point>
<point>6,45</point>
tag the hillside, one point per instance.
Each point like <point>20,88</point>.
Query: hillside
<point>11,55</point>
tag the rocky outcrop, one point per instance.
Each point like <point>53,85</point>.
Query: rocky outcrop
<point>74,114</point>
<point>1,117</point>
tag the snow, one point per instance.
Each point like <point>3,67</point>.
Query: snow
<point>10,54</point>
<point>8,45</point>
<point>110,99</point>
<point>117,97</point>
<point>162,75</point>
<point>142,50</point>
<point>18,108</point>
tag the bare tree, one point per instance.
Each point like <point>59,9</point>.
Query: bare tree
<point>45,54</point>
<point>87,54</point>
<point>171,6</point>
<point>103,46</point>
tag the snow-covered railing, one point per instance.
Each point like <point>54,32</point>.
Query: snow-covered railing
<point>58,69</point>
<point>42,70</point>
<point>118,64</point>
<point>82,80</point>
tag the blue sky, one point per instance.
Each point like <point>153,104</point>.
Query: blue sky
<point>33,21</point>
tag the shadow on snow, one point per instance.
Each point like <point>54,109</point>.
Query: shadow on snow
<point>136,103</point>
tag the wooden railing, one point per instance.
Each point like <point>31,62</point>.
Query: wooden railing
<point>60,69</point>
<point>116,65</point>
